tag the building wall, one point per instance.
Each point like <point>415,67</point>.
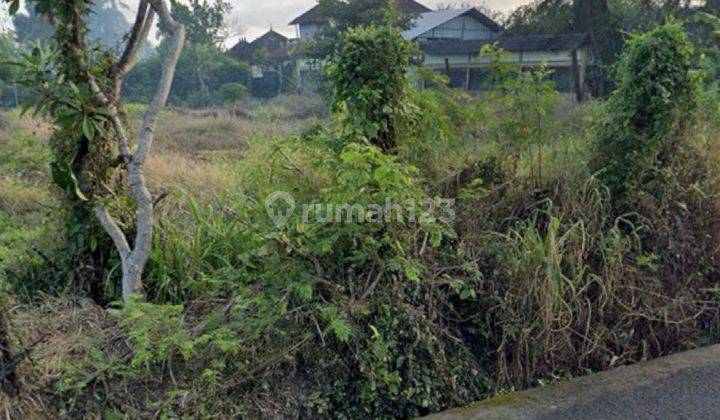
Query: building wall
<point>309,30</point>
<point>469,71</point>
<point>462,27</point>
<point>532,57</point>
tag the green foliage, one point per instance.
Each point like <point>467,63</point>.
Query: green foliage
<point>369,316</point>
<point>156,333</point>
<point>346,287</point>
<point>201,73</point>
<point>204,67</point>
<point>656,95</point>
<point>83,144</point>
<point>605,22</point>
<point>524,100</point>
<point>106,24</point>
<point>11,91</point>
<point>711,21</point>
<point>25,204</point>
<point>541,17</point>
<point>350,14</point>
<point>350,298</point>
<point>434,121</point>
<point>231,93</point>
<point>368,76</point>
<point>203,20</point>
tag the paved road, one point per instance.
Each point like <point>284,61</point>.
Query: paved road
<point>682,386</point>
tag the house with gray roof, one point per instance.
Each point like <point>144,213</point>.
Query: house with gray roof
<point>312,22</point>
<point>451,41</point>
<point>272,61</point>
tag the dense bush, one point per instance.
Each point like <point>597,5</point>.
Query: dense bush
<point>655,97</point>
<point>368,79</point>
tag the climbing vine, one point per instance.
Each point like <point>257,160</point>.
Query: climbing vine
<point>368,76</point>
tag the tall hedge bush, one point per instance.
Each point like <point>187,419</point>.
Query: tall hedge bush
<point>655,97</point>
<point>368,77</point>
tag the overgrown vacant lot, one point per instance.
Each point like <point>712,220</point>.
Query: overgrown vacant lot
<point>201,153</point>
<point>584,237</point>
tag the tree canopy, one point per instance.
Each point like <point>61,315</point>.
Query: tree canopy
<point>106,24</point>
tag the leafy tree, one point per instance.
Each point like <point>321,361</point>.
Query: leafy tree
<point>345,14</point>
<point>655,96</point>
<point>217,70</point>
<point>541,17</point>
<point>203,66</point>
<point>31,27</point>
<point>78,88</point>
<point>594,18</point>
<point>204,21</point>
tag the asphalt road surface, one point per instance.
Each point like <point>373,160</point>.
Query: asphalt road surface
<point>682,386</point>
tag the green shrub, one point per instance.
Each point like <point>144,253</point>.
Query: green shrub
<point>200,75</point>
<point>368,77</point>
<point>655,97</point>
<point>351,301</point>
<point>230,93</point>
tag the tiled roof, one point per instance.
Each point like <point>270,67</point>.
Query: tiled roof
<point>274,43</point>
<point>314,15</point>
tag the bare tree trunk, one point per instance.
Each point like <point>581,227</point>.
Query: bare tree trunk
<point>135,258</point>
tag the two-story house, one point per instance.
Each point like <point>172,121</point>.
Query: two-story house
<point>450,42</point>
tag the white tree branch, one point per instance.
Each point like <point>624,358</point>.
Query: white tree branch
<point>112,229</point>
<point>138,36</point>
<point>144,219</point>
<point>134,259</point>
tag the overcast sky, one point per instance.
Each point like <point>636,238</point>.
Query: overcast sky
<point>256,17</point>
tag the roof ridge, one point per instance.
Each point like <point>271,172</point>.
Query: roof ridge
<point>425,22</point>
<point>313,14</point>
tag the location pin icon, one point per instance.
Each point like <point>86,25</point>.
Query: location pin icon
<point>280,206</point>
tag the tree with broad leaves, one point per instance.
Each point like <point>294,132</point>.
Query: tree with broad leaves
<point>78,87</point>
<point>203,20</point>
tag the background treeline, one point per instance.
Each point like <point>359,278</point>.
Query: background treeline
<point>206,75</point>
<point>209,76</point>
